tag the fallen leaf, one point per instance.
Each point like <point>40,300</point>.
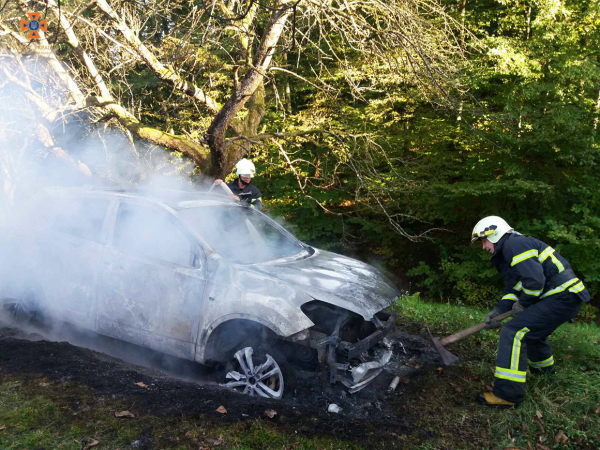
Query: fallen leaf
<point>542,438</point>
<point>92,443</point>
<point>511,448</point>
<point>525,427</point>
<point>598,410</point>
<point>417,366</point>
<point>126,414</point>
<point>216,442</point>
<point>405,380</point>
<point>560,438</point>
<point>142,384</point>
<point>539,422</point>
<point>541,447</point>
<point>567,356</point>
<point>270,413</point>
<point>2,427</point>
<point>456,387</point>
<point>536,390</point>
<point>440,370</point>
<point>538,414</point>
<point>221,409</point>
<point>189,435</point>
<point>529,446</point>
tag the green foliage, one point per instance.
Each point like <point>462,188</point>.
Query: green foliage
<point>520,139</point>
<point>470,281</point>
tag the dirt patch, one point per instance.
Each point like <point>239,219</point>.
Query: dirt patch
<point>179,388</point>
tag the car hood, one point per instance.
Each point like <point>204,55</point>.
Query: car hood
<point>336,279</point>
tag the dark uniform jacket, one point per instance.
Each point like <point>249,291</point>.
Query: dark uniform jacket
<point>249,195</point>
<point>533,271</point>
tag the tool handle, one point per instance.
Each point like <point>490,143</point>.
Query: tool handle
<point>474,329</point>
<point>224,186</point>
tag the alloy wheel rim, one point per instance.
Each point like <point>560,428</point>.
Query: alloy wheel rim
<point>264,380</point>
<point>19,308</point>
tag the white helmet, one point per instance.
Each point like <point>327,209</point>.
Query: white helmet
<point>492,228</point>
<point>245,168</point>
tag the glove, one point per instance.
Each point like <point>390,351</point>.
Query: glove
<point>489,319</point>
<point>517,308</point>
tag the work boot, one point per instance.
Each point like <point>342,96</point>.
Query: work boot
<point>489,399</point>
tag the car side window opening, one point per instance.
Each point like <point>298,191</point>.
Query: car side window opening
<point>239,234</point>
<point>79,217</point>
<point>152,234</point>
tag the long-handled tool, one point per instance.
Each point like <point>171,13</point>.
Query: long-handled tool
<point>224,186</point>
<point>449,358</point>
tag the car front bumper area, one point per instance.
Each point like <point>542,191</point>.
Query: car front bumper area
<point>354,364</point>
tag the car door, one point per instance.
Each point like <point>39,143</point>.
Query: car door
<point>69,247</point>
<point>152,280</point>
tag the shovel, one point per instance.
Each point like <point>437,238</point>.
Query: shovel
<point>447,357</point>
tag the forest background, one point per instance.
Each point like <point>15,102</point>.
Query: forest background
<point>380,129</point>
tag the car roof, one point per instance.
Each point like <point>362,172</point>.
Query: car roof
<point>176,199</point>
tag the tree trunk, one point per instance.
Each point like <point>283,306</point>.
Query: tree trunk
<point>215,135</point>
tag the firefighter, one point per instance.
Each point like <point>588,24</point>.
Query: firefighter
<point>542,290</point>
<point>242,187</point>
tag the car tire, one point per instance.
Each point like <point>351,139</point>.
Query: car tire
<point>259,372</point>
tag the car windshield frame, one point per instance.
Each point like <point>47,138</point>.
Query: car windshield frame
<point>186,209</point>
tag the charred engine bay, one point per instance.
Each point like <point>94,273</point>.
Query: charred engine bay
<point>179,387</point>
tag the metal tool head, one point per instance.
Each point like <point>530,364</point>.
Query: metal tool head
<point>447,358</point>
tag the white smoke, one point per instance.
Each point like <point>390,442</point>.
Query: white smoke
<point>83,259</point>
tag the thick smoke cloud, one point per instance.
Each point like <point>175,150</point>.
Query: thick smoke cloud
<point>70,151</point>
<point>125,271</point>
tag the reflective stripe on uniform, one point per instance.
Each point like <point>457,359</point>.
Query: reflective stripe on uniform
<point>523,256</point>
<point>562,287</point>
<point>256,200</point>
<point>557,263</point>
<point>511,375</point>
<point>577,288</point>
<point>545,363</point>
<point>510,297</point>
<point>518,286</point>
<point>549,251</point>
<point>532,293</point>
<point>516,349</point>
<point>545,254</point>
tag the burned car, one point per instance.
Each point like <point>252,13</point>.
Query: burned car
<point>201,277</point>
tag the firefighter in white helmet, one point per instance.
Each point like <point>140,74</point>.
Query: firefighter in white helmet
<point>542,290</point>
<point>242,187</point>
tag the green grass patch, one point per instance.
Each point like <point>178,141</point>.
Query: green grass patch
<point>560,411</point>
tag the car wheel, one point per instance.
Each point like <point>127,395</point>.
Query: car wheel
<point>258,373</point>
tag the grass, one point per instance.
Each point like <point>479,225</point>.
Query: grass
<point>561,411</point>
